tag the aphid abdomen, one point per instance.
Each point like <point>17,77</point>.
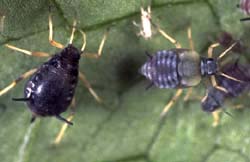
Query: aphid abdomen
<point>235,88</point>
<point>174,68</point>
<point>50,90</point>
<point>245,6</point>
<point>161,69</point>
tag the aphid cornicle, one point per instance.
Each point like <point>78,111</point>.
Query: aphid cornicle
<point>215,98</point>
<point>51,87</point>
<point>182,68</point>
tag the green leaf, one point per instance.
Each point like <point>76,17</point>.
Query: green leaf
<point>127,126</point>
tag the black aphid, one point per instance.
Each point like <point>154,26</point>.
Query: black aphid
<point>226,40</point>
<point>215,98</point>
<point>51,87</point>
<point>182,68</point>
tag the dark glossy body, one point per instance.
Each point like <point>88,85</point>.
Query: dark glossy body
<point>215,98</point>
<point>226,40</point>
<point>50,90</point>
<point>177,68</point>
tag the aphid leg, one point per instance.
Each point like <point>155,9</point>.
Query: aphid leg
<point>191,43</point>
<point>84,41</point>
<point>13,84</point>
<point>30,53</point>
<point>51,41</point>
<point>165,35</point>
<point>64,127</point>
<point>215,85</point>
<point>230,77</point>
<point>216,117</point>
<point>99,53</point>
<point>136,24</point>
<point>2,23</point>
<point>239,106</point>
<point>188,94</point>
<point>211,48</point>
<point>73,32</point>
<point>88,86</point>
<point>171,102</point>
<point>226,51</point>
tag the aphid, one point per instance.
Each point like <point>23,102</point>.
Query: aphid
<point>215,98</point>
<point>51,87</point>
<point>182,68</point>
<point>145,26</point>
<point>244,6</point>
<point>226,39</point>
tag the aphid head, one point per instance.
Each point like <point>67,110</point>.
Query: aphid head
<point>146,14</point>
<point>70,53</point>
<point>209,66</point>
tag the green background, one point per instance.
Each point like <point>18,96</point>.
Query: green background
<point>127,126</point>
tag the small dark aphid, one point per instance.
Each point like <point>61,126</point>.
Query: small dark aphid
<point>182,68</point>
<point>226,40</point>
<point>215,98</point>
<point>244,6</point>
<point>51,87</point>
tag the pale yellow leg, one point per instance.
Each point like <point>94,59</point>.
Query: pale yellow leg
<point>88,86</point>
<point>215,85</point>
<point>73,32</point>
<point>191,43</point>
<point>211,48</point>
<point>171,102</point>
<point>99,53</point>
<point>30,53</point>
<point>64,127</point>
<point>84,41</point>
<point>227,50</point>
<point>13,84</point>
<point>216,117</point>
<point>61,133</point>
<point>51,41</point>
<point>188,94</point>
<point>172,40</point>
